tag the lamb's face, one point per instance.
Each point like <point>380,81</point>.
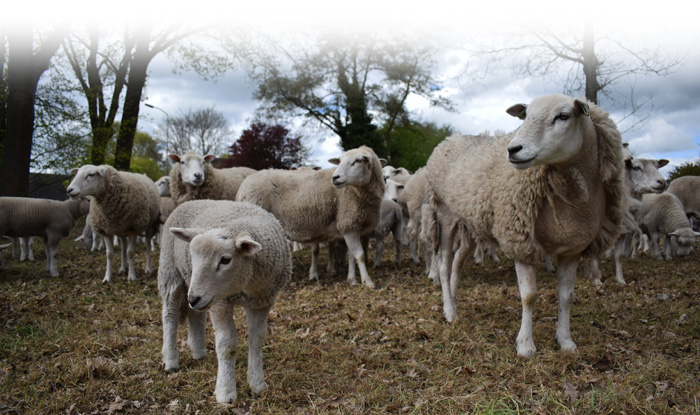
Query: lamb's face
<point>88,181</point>
<point>682,241</point>
<point>552,131</point>
<point>387,171</point>
<point>220,264</point>
<point>354,169</point>
<point>163,185</point>
<point>643,175</point>
<point>392,190</point>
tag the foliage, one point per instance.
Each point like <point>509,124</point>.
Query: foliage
<point>204,131</point>
<point>414,143</point>
<point>147,166</point>
<point>264,146</point>
<point>690,168</point>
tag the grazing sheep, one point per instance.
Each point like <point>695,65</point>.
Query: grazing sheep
<point>215,255</point>
<point>123,204</point>
<point>687,190</point>
<point>554,186</point>
<point>193,178</point>
<point>325,205</point>
<point>24,217</point>
<point>663,214</point>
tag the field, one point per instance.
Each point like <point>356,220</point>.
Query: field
<point>72,345</point>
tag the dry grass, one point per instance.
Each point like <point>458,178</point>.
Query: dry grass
<point>74,345</point>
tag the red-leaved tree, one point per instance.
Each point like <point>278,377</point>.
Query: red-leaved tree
<point>264,146</point>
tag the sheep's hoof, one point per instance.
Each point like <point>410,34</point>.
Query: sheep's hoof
<point>567,346</point>
<point>352,281</point>
<point>259,388</point>
<point>525,348</point>
<point>107,280</point>
<point>226,396</point>
<point>620,281</point>
<point>368,284</point>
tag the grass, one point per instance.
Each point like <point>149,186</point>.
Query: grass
<point>72,345</point>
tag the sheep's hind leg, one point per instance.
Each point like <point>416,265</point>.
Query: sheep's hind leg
<point>122,243</point>
<point>357,254</point>
<point>130,248</point>
<point>257,329</point>
<point>109,249</point>
<point>171,317</point>
<point>619,253</point>
<point>226,351</point>
<point>566,273</point>
<point>196,333</point>
<point>313,270</point>
<point>51,248</point>
<point>527,283</point>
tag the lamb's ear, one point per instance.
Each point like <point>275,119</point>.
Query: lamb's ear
<point>208,158</point>
<point>518,111</point>
<point>246,246</point>
<point>583,107</point>
<point>186,234</point>
<point>661,163</point>
<point>174,157</point>
<point>334,161</point>
<point>74,172</point>
<point>383,162</point>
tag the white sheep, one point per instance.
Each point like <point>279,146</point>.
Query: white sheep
<point>325,205</point>
<point>390,221</point>
<point>192,177</point>
<point>687,190</point>
<point>24,217</point>
<point>663,214</point>
<point>216,255</point>
<point>123,204</point>
<point>554,186</point>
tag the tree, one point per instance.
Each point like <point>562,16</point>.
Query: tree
<point>204,131</point>
<point>264,146</point>
<point>686,169</point>
<point>349,84</point>
<point>29,56</point>
<point>415,142</point>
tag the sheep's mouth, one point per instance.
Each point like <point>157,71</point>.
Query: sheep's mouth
<point>339,183</point>
<point>658,189</point>
<point>521,164</point>
<point>201,305</point>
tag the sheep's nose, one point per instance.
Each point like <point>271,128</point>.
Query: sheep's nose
<point>395,199</point>
<point>513,150</point>
<point>336,177</point>
<point>662,183</point>
<point>198,175</point>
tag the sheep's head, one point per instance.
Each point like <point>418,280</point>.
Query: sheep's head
<point>357,167</point>
<point>88,181</point>
<point>163,185</point>
<point>220,263</point>
<point>392,190</point>
<point>683,240</point>
<point>553,131</point>
<point>192,167</point>
<point>643,175</point>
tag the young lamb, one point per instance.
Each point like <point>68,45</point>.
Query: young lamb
<point>52,220</point>
<point>123,204</point>
<point>663,214</point>
<point>325,205</point>
<point>193,178</point>
<point>554,186</point>
<point>390,221</point>
<point>215,255</point>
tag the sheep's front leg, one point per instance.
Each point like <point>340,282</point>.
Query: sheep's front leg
<point>655,250</point>
<point>171,315</point>
<point>619,253</point>
<point>566,273</point>
<point>527,283</point>
<point>109,249</point>
<point>257,329</point>
<point>51,248</point>
<point>226,351</point>
<point>150,244</point>
<point>196,333</point>
<point>313,271</point>
<point>122,243</point>
<point>446,256</point>
<point>357,254</point>
<point>130,248</point>
<point>378,251</point>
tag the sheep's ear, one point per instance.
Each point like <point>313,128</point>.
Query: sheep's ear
<point>583,107</point>
<point>316,168</point>
<point>208,158</point>
<point>246,246</point>
<point>625,145</point>
<point>518,111</point>
<point>74,172</point>
<point>383,162</point>
<point>628,163</point>
<point>174,157</point>
<point>186,234</point>
<point>661,163</point>
<point>334,161</point>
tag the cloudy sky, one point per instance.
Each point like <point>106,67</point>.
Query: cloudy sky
<point>673,132</point>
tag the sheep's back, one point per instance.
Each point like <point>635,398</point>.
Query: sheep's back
<point>687,190</point>
<point>25,216</point>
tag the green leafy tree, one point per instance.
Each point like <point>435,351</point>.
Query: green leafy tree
<point>690,168</point>
<point>415,142</point>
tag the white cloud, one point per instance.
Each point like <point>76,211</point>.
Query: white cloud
<point>662,137</point>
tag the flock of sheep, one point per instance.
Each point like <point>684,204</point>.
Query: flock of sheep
<point>559,189</point>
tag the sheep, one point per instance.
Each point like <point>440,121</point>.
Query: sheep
<point>390,220</point>
<point>325,205</point>
<point>215,255</point>
<point>664,214</point>
<point>554,186</point>
<point>24,217</point>
<point>687,190</point>
<point>192,177</point>
<point>123,204</point>
<point>398,174</point>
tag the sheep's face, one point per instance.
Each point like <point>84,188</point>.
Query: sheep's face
<point>552,131</point>
<point>392,190</point>
<point>387,171</point>
<point>191,167</point>
<point>163,185</point>
<point>355,167</point>
<point>682,241</point>
<point>221,264</point>
<point>643,175</point>
<point>88,181</point>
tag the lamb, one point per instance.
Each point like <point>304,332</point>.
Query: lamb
<point>559,191</point>
<point>192,177</point>
<point>664,214</point>
<point>325,205</point>
<point>398,174</point>
<point>687,190</point>
<point>390,220</point>
<point>215,255</point>
<point>52,220</point>
<point>123,204</point>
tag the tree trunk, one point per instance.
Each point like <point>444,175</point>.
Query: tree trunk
<point>590,63</point>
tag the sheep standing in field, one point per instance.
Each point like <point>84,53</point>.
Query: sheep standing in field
<point>24,217</point>
<point>663,214</point>
<point>192,177</point>
<point>325,205</point>
<point>555,186</point>
<point>687,190</point>
<point>216,255</point>
<point>390,221</point>
<point>123,204</point>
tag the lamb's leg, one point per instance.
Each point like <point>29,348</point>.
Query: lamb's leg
<point>257,329</point>
<point>619,253</point>
<point>378,251</point>
<point>313,271</point>
<point>226,351</point>
<point>466,249</point>
<point>171,316</point>
<point>566,273</point>
<point>398,241</point>
<point>332,259</point>
<point>656,251</point>
<point>594,274</point>
<point>449,308</point>
<point>669,242</point>
<point>413,241</point>
<point>548,264</point>
<point>123,243</point>
<point>196,333</point>
<point>130,248</point>
<point>527,283</point>
<point>109,249</point>
<point>51,248</point>
<point>25,249</point>
<point>357,253</point>
<point>432,263</point>
<point>149,240</point>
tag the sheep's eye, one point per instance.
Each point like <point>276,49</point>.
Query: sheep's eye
<point>225,260</point>
<point>562,117</point>
<point>356,161</point>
